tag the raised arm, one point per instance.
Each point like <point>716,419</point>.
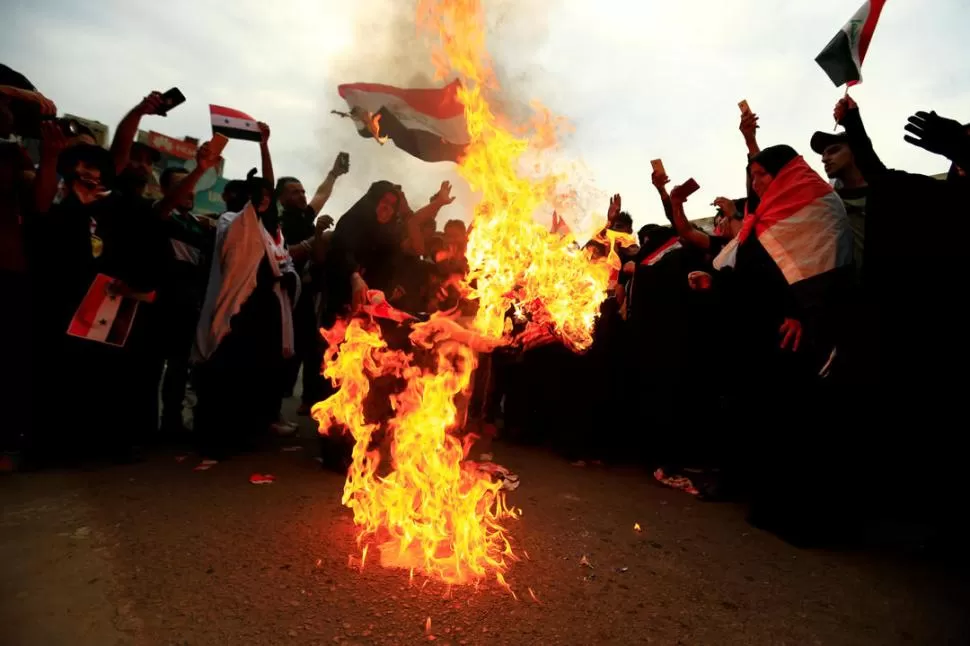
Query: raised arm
<point>204,160</point>
<point>684,229</point>
<point>53,142</point>
<point>128,129</point>
<point>749,130</point>
<point>341,165</point>
<point>847,114</point>
<point>660,181</point>
<point>265,159</point>
<point>940,135</point>
<point>415,224</point>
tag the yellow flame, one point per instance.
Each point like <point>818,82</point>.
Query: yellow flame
<point>514,261</point>
<point>427,508</point>
<point>432,512</point>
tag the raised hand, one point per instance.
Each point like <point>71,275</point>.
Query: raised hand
<point>937,134</point>
<point>263,132</point>
<point>843,107</point>
<point>443,196</point>
<point>616,205</point>
<point>659,180</point>
<point>205,157</point>
<point>152,104</point>
<point>52,139</point>
<point>727,206</point>
<point>749,125</point>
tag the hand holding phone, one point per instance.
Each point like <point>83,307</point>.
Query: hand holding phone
<point>745,108</point>
<point>685,190</point>
<point>658,166</point>
<point>171,99</point>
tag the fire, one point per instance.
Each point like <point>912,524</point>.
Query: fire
<point>514,261</point>
<point>411,488</point>
<point>431,511</point>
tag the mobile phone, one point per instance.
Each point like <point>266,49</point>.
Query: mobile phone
<point>218,143</point>
<point>689,188</point>
<point>658,166</point>
<point>171,99</point>
<point>743,105</point>
<point>343,159</point>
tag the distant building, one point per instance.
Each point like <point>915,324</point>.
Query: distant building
<point>180,153</point>
<point>99,129</point>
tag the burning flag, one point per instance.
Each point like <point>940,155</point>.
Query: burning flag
<point>411,486</point>
<point>427,123</point>
<point>428,509</point>
<point>842,57</point>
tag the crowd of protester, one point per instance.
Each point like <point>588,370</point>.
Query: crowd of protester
<point>784,355</point>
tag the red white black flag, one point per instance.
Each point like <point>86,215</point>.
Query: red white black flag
<point>842,57</point>
<point>233,123</point>
<point>427,123</point>
<point>107,312</point>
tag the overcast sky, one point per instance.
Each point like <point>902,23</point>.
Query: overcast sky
<point>637,79</point>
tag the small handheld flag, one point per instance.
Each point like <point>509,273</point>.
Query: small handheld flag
<point>842,57</point>
<point>233,123</point>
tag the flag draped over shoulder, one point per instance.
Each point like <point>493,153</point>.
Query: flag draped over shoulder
<point>233,123</point>
<point>842,57</point>
<point>427,123</point>
<point>801,223</point>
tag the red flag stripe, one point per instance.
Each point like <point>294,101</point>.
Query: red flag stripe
<point>865,35</point>
<point>222,111</point>
<point>439,103</point>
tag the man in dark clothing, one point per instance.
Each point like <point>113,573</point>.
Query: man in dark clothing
<point>297,220</point>
<point>906,350</point>
<point>192,238</point>
<point>105,259</point>
<point>840,165</point>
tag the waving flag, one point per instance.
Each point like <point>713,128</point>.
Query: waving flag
<point>233,123</point>
<point>427,123</point>
<point>842,57</point>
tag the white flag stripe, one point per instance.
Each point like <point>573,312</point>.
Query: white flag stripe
<point>802,255</point>
<point>184,252</point>
<point>233,123</point>
<point>853,29</point>
<point>453,130</point>
<point>104,319</point>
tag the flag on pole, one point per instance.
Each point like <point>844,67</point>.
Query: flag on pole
<point>427,123</point>
<point>233,123</point>
<point>842,57</point>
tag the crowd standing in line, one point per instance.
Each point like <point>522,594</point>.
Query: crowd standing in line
<point>792,355</point>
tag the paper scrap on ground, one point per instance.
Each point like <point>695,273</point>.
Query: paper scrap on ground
<point>205,465</point>
<point>676,482</point>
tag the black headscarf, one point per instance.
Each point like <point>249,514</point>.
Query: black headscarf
<point>361,243</point>
<point>772,159</point>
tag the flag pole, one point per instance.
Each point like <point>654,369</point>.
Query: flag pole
<point>846,95</point>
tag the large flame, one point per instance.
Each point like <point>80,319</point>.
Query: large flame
<point>428,508</point>
<point>433,512</point>
<point>514,260</point>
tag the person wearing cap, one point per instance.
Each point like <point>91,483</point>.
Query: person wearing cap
<point>840,166</point>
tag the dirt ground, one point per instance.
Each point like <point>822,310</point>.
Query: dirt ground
<point>157,553</point>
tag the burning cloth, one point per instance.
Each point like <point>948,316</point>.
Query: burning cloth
<point>427,123</point>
